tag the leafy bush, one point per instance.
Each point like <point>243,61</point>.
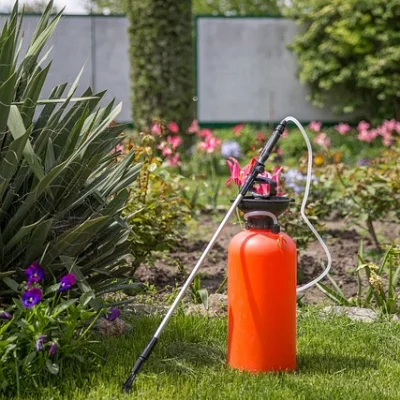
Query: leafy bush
<point>372,192</point>
<point>61,190</point>
<point>161,47</point>
<point>349,54</point>
<point>156,209</point>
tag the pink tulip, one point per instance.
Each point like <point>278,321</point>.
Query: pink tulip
<point>285,133</point>
<point>363,126</point>
<point>386,131</point>
<point>194,127</point>
<point>263,188</point>
<point>234,167</point>
<point>261,136</point>
<point>239,175</point>
<point>175,160</point>
<point>205,133</point>
<point>387,141</point>
<point>315,126</point>
<point>367,136</point>
<point>175,141</point>
<point>210,144</point>
<point>323,140</point>
<point>156,129</point>
<point>343,128</point>
<point>166,149</point>
<point>173,127</point>
<point>238,130</point>
<point>397,127</point>
<point>277,175</point>
<point>390,125</point>
<point>280,151</point>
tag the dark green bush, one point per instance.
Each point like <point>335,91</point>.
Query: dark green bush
<point>161,48</point>
<point>61,190</point>
<point>349,54</point>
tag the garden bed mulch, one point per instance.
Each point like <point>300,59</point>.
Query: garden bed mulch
<point>342,239</point>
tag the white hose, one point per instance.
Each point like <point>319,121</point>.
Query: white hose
<point>303,208</point>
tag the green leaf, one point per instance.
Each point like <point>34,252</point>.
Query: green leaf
<point>87,297</point>
<point>50,158</point>
<point>10,162</point>
<point>29,358</point>
<point>51,289</point>
<point>12,284</point>
<point>17,129</point>
<point>52,367</point>
<point>63,306</point>
<point>37,241</point>
<point>203,293</point>
<point>59,101</point>
<point>336,297</point>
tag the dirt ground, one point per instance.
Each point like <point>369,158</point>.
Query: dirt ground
<point>342,239</point>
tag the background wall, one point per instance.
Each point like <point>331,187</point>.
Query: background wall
<point>245,73</point>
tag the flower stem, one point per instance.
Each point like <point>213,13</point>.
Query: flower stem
<point>89,327</point>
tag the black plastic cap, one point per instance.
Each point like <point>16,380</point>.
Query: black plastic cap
<point>275,228</point>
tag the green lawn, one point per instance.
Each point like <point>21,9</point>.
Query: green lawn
<point>338,359</point>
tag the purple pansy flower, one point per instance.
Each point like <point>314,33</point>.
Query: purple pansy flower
<point>113,314</point>
<point>363,162</point>
<point>40,342</point>
<point>35,273</point>
<point>5,315</point>
<point>53,349</point>
<point>66,282</point>
<point>32,297</point>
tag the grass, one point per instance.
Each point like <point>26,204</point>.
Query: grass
<point>338,359</point>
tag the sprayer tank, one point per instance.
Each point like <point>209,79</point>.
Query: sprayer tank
<point>262,301</point>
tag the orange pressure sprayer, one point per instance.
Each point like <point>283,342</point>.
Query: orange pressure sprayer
<point>261,277</point>
<point>262,265</point>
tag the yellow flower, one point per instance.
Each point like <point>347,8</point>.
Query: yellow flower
<point>376,281</point>
<point>337,157</point>
<point>319,160</point>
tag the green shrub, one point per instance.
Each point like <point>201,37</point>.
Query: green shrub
<point>161,48</point>
<point>349,54</point>
<point>372,192</point>
<point>61,190</point>
<point>156,209</point>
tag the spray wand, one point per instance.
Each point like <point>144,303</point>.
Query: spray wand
<point>257,170</point>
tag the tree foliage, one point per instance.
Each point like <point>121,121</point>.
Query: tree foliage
<point>223,7</point>
<point>161,48</point>
<point>349,54</point>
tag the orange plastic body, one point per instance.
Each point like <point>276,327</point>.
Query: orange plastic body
<point>262,269</point>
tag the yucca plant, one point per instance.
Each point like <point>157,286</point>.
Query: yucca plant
<point>62,189</point>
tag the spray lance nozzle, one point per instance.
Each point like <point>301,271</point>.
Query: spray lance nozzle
<point>266,152</point>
